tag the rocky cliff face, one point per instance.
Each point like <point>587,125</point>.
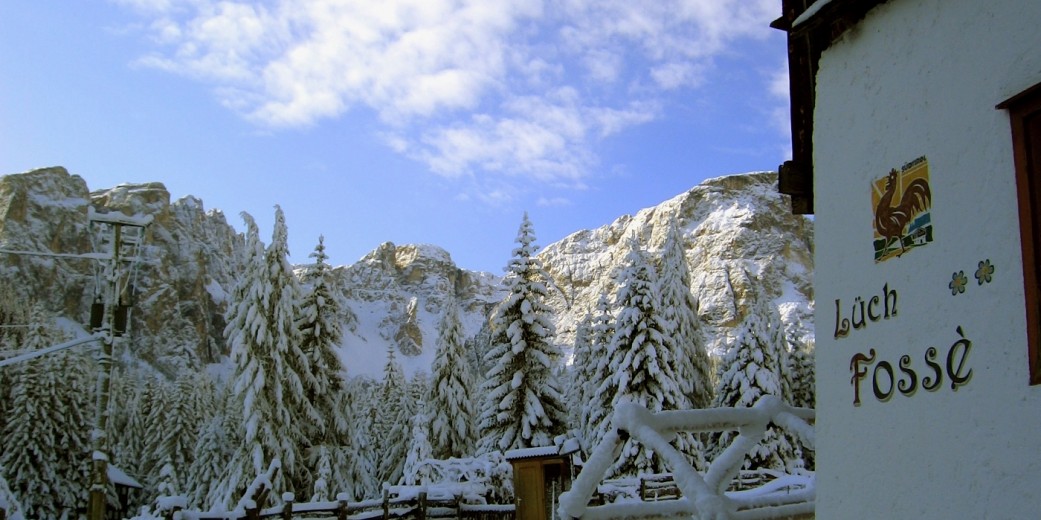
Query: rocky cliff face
<point>190,260</point>
<point>398,294</point>
<point>741,240</point>
<point>46,211</point>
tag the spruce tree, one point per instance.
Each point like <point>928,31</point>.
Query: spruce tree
<point>450,401</point>
<point>74,385</point>
<point>523,403</point>
<point>679,308</point>
<point>46,444</point>
<point>214,446</point>
<point>800,362</point>
<point>321,333</point>
<point>477,348</point>
<point>159,395</point>
<point>10,503</point>
<point>358,479</point>
<point>183,421</point>
<point>127,423</point>
<point>269,364</point>
<point>322,461</point>
<point>598,407</point>
<point>641,363</point>
<point>30,457</point>
<point>752,368</point>
<point>393,411</point>
<point>416,471</point>
<point>583,370</point>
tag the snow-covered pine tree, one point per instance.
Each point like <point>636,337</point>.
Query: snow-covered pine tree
<point>29,458</point>
<point>171,426</point>
<point>393,411</point>
<point>641,363</point>
<point>450,401</point>
<point>804,382</point>
<point>583,369</point>
<point>416,471</point>
<point>46,433</point>
<point>477,348</point>
<point>269,364</point>
<point>9,503</point>
<point>597,406</point>
<point>12,318</point>
<point>167,486</point>
<point>75,384</point>
<point>752,368</point>
<point>214,446</point>
<point>803,391</point>
<point>321,333</point>
<point>323,464</point>
<point>358,477</point>
<point>412,402</point>
<point>680,310</point>
<point>127,422</point>
<point>157,396</point>
<point>523,400</point>
<point>184,416</point>
<point>418,390</point>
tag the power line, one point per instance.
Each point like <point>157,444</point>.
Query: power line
<point>81,256</point>
<point>48,350</point>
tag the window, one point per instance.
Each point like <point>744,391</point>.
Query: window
<point>1025,115</point>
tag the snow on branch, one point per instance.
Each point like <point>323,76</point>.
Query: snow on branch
<point>704,496</point>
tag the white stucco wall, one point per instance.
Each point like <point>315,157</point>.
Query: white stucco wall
<point>921,78</point>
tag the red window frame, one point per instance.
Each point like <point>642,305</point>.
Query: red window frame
<point>1025,117</point>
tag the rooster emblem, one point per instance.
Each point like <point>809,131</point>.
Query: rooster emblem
<point>890,220</point>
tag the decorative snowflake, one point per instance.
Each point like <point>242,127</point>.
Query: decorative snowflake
<point>984,272</point>
<point>958,281</point>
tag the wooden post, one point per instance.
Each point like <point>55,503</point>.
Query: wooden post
<point>422,506</point>
<point>341,511</point>
<point>287,507</point>
<point>386,503</point>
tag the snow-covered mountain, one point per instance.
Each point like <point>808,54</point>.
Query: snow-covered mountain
<point>741,240</point>
<point>738,232</point>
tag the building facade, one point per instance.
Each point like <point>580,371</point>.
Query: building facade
<point>917,146</point>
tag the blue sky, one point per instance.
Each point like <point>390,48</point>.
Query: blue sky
<point>411,121</point>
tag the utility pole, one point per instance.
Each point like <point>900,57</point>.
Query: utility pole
<point>119,238</point>
<point>116,241</point>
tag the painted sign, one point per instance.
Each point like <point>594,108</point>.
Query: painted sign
<point>901,200</point>
<point>905,374</point>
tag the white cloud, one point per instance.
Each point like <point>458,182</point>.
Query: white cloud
<point>780,115</point>
<point>553,202</point>
<point>511,89</point>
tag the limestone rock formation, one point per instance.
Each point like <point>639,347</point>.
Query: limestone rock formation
<point>190,260</point>
<point>399,292</point>
<point>740,238</point>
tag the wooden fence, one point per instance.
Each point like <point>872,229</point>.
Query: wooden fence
<point>420,506</point>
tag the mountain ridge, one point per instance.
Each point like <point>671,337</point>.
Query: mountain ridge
<point>739,237</point>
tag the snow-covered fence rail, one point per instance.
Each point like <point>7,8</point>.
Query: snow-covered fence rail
<point>705,497</point>
<point>398,502</point>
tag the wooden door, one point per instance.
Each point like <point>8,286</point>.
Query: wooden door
<point>529,490</point>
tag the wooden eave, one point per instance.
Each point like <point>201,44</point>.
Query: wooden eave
<point>806,42</point>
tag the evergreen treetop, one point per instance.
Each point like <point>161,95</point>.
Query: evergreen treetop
<point>523,402</point>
